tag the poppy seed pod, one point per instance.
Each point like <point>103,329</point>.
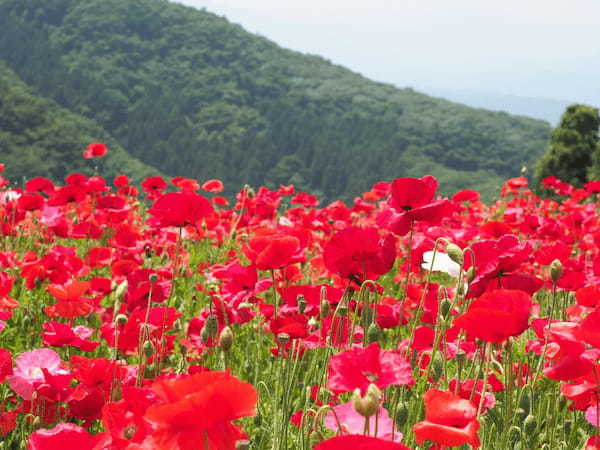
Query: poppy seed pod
<point>283,338</point>
<point>369,404</point>
<point>121,320</point>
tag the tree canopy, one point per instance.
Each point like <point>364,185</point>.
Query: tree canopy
<point>573,154</point>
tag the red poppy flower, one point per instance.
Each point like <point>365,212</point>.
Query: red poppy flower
<point>60,335</point>
<point>360,253</point>
<point>8,422</point>
<point>198,409</point>
<point>359,367</point>
<point>152,185</point>
<point>358,442</point>
<point>124,419</point>
<point>30,202</point>
<point>94,150</point>
<point>273,251</point>
<point>214,186</point>
<point>496,263</point>
<point>5,364</point>
<point>121,180</point>
<point>295,326</point>
<point>70,301</point>
<point>589,329</point>
<point>39,184</point>
<point>497,315</point>
<point>588,296</point>
<point>62,436</point>
<point>411,200</point>
<point>449,420</point>
<point>178,209</point>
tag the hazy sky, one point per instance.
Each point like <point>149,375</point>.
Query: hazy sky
<point>540,48</point>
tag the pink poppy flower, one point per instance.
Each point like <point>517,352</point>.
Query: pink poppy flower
<point>359,367</point>
<point>352,422</point>
<point>28,370</point>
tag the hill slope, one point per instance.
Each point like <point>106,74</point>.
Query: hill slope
<point>195,95</point>
<point>36,133</point>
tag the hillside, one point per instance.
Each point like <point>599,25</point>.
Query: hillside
<point>188,92</point>
<point>36,133</point>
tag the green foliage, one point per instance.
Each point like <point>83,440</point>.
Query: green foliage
<point>573,155</point>
<point>188,92</point>
<point>38,138</point>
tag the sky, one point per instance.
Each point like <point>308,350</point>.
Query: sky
<point>531,48</point>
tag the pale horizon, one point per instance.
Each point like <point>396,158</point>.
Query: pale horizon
<point>538,49</point>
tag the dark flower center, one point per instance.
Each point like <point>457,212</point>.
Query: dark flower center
<point>370,376</point>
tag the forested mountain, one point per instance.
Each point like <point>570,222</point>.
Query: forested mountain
<point>188,92</point>
<point>38,137</point>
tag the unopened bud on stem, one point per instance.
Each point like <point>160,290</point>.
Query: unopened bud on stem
<point>556,270</point>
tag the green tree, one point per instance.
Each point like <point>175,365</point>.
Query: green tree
<point>573,147</point>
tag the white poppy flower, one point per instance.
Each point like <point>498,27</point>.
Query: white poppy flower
<point>442,263</point>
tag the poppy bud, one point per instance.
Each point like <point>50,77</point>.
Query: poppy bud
<point>153,278</point>
<point>212,325</point>
<point>372,333</point>
<point>301,301</point>
<point>342,311</point>
<point>455,253</point>
<point>524,170</point>
<point>401,414</point>
<point>529,425</point>
<point>525,402</point>
<point>148,349</point>
<point>445,305</point>
<point>514,434</point>
<point>438,366</point>
<point>367,406</point>
<point>470,274</point>
<point>460,357</point>
<point>204,335</point>
<point>556,270</point>
<point>120,290</point>
<point>226,339</point>
<point>121,320</point>
<point>325,307</point>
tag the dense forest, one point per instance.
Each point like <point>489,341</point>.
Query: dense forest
<point>38,137</point>
<point>188,92</point>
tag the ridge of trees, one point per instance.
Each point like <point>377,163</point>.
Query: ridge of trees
<point>37,137</point>
<point>190,93</point>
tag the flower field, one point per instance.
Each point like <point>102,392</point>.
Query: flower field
<point>167,316</point>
